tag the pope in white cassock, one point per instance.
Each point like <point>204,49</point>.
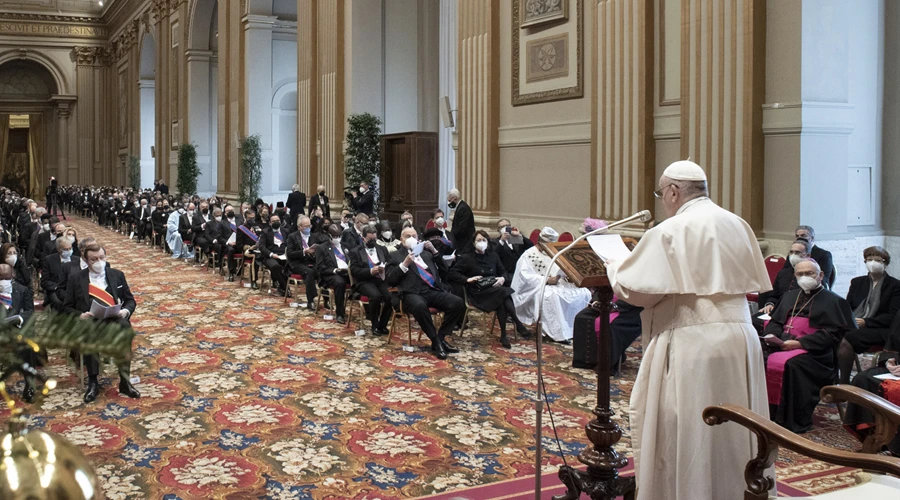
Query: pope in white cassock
<point>691,274</point>
<point>562,300</point>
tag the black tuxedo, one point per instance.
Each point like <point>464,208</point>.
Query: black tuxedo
<point>243,241</point>
<point>79,301</point>
<point>329,276</point>
<point>39,246</point>
<point>53,280</point>
<point>22,303</point>
<point>270,250</point>
<point>877,330</point>
<point>364,203</point>
<point>351,238</point>
<point>510,256</point>
<point>296,203</point>
<point>372,286</point>
<point>417,296</point>
<point>185,226</point>
<point>142,219</point>
<point>463,230</point>
<point>200,230</point>
<point>301,263</point>
<point>316,201</point>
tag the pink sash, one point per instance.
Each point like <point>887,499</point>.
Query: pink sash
<point>798,327</point>
<point>612,317</point>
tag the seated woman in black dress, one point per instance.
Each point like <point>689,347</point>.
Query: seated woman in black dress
<point>484,278</point>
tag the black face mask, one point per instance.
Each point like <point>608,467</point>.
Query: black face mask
<point>451,204</point>
<point>321,193</point>
<point>251,222</point>
<point>230,215</point>
<point>276,225</point>
<point>370,243</point>
<point>204,212</point>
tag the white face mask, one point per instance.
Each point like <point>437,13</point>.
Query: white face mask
<point>98,267</point>
<point>439,222</point>
<point>218,218</point>
<point>66,254</point>
<point>807,283</point>
<point>6,286</point>
<point>410,242</point>
<point>12,259</point>
<point>481,245</point>
<point>794,259</point>
<point>875,267</point>
<point>387,235</point>
<point>45,227</point>
<point>336,242</point>
<point>71,239</point>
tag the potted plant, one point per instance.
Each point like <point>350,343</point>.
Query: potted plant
<point>362,159</point>
<point>188,171</point>
<point>251,168</point>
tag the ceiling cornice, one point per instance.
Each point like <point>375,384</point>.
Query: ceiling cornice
<point>50,18</point>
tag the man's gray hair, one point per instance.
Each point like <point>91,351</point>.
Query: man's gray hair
<point>812,232</point>
<point>692,189</point>
<point>807,246</point>
<point>454,193</point>
<point>301,219</point>
<point>217,211</point>
<point>61,241</point>
<point>296,187</point>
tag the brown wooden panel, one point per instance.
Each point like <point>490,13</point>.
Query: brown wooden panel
<point>409,178</point>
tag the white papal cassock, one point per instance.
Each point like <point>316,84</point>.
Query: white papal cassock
<point>691,274</point>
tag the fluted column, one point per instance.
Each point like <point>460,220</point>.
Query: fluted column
<point>449,42</point>
<point>478,160</point>
<point>623,149</point>
<point>307,89</point>
<point>330,116</point>
<point>723,57</point>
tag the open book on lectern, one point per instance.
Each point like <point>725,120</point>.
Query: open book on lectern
<point>609,247</point>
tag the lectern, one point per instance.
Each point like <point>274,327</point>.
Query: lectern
<point>601,481</point>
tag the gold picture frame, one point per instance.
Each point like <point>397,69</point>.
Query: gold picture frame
<point>567,43</point>
<point>537,12</point>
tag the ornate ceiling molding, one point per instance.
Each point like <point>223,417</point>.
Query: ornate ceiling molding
<point>120,45</point>
<point>50,18</point>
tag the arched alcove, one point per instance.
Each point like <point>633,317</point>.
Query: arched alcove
<point>203,86</point>
<point>147,100</point>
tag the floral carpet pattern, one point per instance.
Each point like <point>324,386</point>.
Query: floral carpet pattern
<point>245,397</point>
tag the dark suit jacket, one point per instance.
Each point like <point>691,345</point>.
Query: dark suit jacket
<point>53,277</point>
<point>410,282</point>
<point>294,250</point>
<point>359,263</point>
<point>823,258</point>
<point>888,306</point>
<point>78,301</point>
<point>364,203</point>
<point>197,222</point>
<point>242,240</point>
<point>296,203</point>
<point>185,225</point>
<point>463,229</point>
<point>326,262</point>
<point>510,256</point>
<point>22,301</point>
<point>314,202</point>
<point>351,239</point>
<point>784,282</point>
<point>267,245</point>
<point>142,213</point>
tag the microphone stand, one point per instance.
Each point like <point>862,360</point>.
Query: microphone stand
<point>570,476</point>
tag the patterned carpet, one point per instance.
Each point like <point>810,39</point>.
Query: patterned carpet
<point>245,397</point>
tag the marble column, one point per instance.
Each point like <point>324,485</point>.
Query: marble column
<point>330,115</point>
<point>200,127</point>
<point>62,128</point>
<point>307,91</point>
<point>449,42</point>
<point>258,93</point>
<point>478,159</point>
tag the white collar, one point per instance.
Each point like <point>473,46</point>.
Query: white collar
<point>691,203</point>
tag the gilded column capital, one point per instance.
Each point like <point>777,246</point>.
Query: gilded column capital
<point>90,56</point>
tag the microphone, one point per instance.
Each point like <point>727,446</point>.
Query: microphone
<point>643,216</point>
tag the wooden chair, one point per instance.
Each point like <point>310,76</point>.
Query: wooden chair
<point>870,486</point>
<point>469,307</point>
<point>535,236</point>
<point>294,280</point>
<point>773,263</point>
<point>398,313</point>
<point>566,237</point>
<point>355,297</point>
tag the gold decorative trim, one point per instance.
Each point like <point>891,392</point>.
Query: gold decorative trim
<point>574,92</point>
<point>49,18</point>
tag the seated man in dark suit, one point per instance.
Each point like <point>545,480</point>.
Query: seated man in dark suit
<point>784,282</point>
<point>332,268</point>
<point>108,286</point>
<point>53,277</point>
<point>247,242</point>
<point>185,223</point>
<point>142,220</point>
<point>509,245</point>
<point>224,233</point>
<point>18,300</point>
<point>301,256</point>
<point>821,256</point>
<point>199,226</point>
<point>352,236</point>
<point>421,288</point>
<point>272,247</point>
<point>368,263</point>
<point>875,301</point>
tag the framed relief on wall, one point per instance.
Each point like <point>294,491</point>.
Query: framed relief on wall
<point>547,56</point>
<point>535,12</point>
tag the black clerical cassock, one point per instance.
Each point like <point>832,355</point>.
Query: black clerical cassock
<point>818,320</point>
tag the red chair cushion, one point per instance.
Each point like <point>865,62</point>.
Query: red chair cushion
<point>752,297</point>
<point>433,310</point>
<point>238,256</point>
<point>296,277</point>
<point>363,299</point>
<point>535,235</point>
<point>567,236</point>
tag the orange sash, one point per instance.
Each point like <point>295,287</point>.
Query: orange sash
<point>102,296</point>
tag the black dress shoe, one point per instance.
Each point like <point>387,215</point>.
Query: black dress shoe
<point>310,306</point>
<point>254,286</point>
<point>231,278</point>
<point>504,341</point>
<point>90,395</point>
<point>28,394</point>
<point>342,320</point>
<point>126,389</point>
<point>378,332</point>
<point>439,351</point>
<point>449,348</point>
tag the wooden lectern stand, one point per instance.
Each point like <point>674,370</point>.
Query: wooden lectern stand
<point>601,481</point>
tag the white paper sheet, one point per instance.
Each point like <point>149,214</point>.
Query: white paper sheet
<point>103,312</point>
<point>765,317</point>
<point>609,247</point>
<point>416,250</point>
<point>232,239</point>
<point>887,376</point>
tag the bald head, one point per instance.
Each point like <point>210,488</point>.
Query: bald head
<point>6,272</point>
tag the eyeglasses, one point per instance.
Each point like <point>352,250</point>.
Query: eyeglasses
<point>659,192</point>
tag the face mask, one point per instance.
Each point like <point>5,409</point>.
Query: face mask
<point>250,222</point>
<point>362,191</point>
<point>204,212</point>
<point>306,231</point>
<point>71,239</point>
<point>875,267</point>
<point>98,267</point>
<point>6,286</point>
<point>410,242</point>
<point>66,254</point>
<point>451,204</point>
<point>218,218</point>
<point>794,259</point>
<point>45,227</point>
<point>481,245</point>
<point>321,193</point>
<point>807,283</point>
<point>370,243</point>
<point>12,259</point>
<point>276,225</point>
<point>387,235</point>
<point>336,242</point>
<point>230,215</point>
<point>439,222</point>
<point>181,210</point>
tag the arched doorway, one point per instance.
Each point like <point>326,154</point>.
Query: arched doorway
<point>147,100</point>
<point>26,106</point>
<point>203,97</point>
<point>284,138</point>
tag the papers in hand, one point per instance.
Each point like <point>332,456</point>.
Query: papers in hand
<point>416,250</point>
<point>103,312</point>
<point>765,317</point>
<point>232,239</point>
<point>609,247</point>
<point>887,376</point>
<point>773,340</point>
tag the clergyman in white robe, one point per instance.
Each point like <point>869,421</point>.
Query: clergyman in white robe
<point>691,274</point>
<point>562,301</point>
